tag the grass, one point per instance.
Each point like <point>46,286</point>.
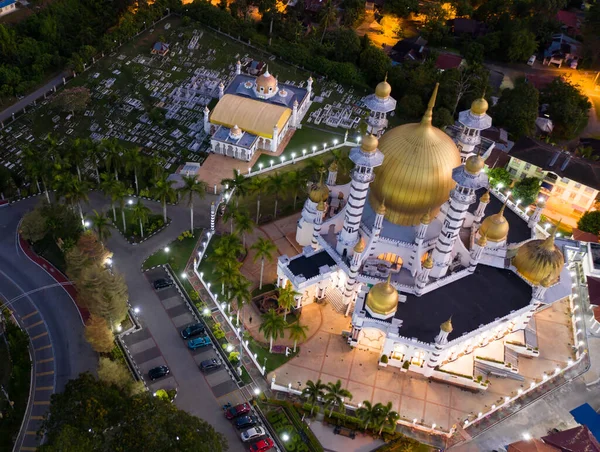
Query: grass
<point>274,360</point>
<point>155,221</point>
<point>246,378</point>
<point>178,255</point>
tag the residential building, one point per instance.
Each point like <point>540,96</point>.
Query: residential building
<point>7,7</point>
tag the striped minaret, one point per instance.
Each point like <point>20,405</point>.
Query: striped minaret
<point>349,290</point>
<point>318,222</point>
<point>440,341</point>
<point>366,159</point>
<point>469,178</point>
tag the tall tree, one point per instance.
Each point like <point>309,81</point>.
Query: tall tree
<point>113,155</point>
<point>287,298</point>
<point>517,109</point>
<point>273,326</point>
<point>264,249</point>
<point>240,291</point>
<point>192,186</point>
<point>296,181</point>
<point>314,392</point>
<point>239,183</point>
<point>98,334</point>
<point>164,191</point>
<point>367,413</point>
<point>277,185</point>
<point>101,225</point>
<point>108,185</point>
<point>336,395</point>
<point>327,17</point>
<point>257,187</point>
<point>385,415</point>
<point>297,332</point>
<point>568,107</point>
<point>243,225</point>
<point>140,213</point>
<point>133,162</point>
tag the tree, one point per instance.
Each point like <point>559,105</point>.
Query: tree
<point>499,176</point>
<point>140,214</point>
<point>99,335</point>
<point>243,226</point>
<point>192,186</point>
<point>104,293</point>
<point>517,109</point>
<point>276,185</point>
<point>101,225</point>
<point>113,159</point>
<point>273,326</point>
<point>367,413</point>
<point>297,332</point>
<point>327,17</point>
<point>336,395</point>
<point>521,45</point>
<point>568,107</point>
<point>257,187</point>
<point>112,419</point>
<point>586,152</point>
<point>108,185</point>
<point>118,194</point>
<point>133,162</point>
<point>164,192</point>
<point>239,183</point>
<point>296,181</point>
<point>228,272</point>
<point>526,190</point>
<point>385,414</point>
<point>313,393</point>
<point>114,373</point>
<point>287,298</point>
<point>73,99</point>
<point>401,8</point>
<point>442,117</point>
<point>240,291</point>
<point>375,63</point>
<point>229,215</point>
<point>590,222</point>
<point>34,226</point>
<point>591,38</point>
<point>264,250</point>
<point>345,44</point>
<point>411,106</point>
<point>74,191</point>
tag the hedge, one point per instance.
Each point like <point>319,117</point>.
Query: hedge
<point>291,414</point>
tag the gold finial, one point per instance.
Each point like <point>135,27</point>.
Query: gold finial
<point>549,242</point>
<point>482,241</point>
<point>389,278</point>
<point>446,327</point>
<point>428,115</point>
<point>485,198</point>
<point>369,143</point>
<point>360,246</point>
<point>426,218</point>
<point>381,208</point>
<point>385,78</point>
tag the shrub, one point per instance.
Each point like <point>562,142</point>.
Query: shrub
<point>384,359</point>
<point>218,331</point>
<point>234,357</point>
<point>406,365</point>
<point>160,223</point>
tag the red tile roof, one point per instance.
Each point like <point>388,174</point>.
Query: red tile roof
<point>568,18</point>
<point>578,439</point>
<point>584,236</point>
<point>533,445</point>
<point>448,61</point>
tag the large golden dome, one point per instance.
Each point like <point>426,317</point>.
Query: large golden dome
<point>495,227</point>
<point>383,298</point>
<point>383,89</point>
<point>416,174</point>
<point>539,261</point>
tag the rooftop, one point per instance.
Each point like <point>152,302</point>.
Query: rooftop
<point>5,3</point>
<point>448,61</point>
<point>577,439</point>
<point>242,85</point>
<point>498,292</point>
<point>308,266</point>
<point>222,134</point>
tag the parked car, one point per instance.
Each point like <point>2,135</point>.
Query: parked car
<point>199,342</point>
<point>162,283</point>
<point>238,410</point>
<point>531,60</point>
<point>252,433</point>
<point>263,445</point>
<point>193,330</point>
<point>245,422</point>
<point>158,372</point>
<point>209,365</point>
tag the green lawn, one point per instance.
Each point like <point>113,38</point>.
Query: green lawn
<point>274,360</point>
<point>178,255</point>
<point>154,223</point>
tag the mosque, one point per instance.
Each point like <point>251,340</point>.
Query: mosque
<point>255,113</point>
<point>431,265</point>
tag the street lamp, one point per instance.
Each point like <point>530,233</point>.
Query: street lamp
<point>167,249</point>
<point>285,437</point>
<point>130,202</point>
<point>526,436</point>
<point>136,310</point>
<point>256,391</point>
<point>229,348</point>
<point>206,311</point>
<point>86,224</point>
<point>184,275</point>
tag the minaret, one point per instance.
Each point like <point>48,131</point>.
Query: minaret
<point>295,113</point>
<point>476,252</point>
<point>420,236</point>
<point>206,120</point>
<point>238,67</point>
<point>365,159</point>
<point>318,222</point>
<point>350,288</point>
<point>535,217</point>
<point>423,276</point>
<point>484,200</point>
<point>332,174</point>
<point>221,90</point>
<point>379,105</point>
<point>309,83</point>
<point>469,178</point>
<point>378,223</point>
<point>472,122</point>
<point>433,360</point>
<point>274,141</point>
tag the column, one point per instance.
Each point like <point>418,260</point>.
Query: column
<point>318,222</point>
<point>206,120</point>
<point>480,212</point>
<point>332,174</point>
<point>309,83</point>
<point>295,114</point>
<point>275,139</point>
<point>476,252</point>
<point>221,90</point>
<point>535,217</point>
<point>423,276</point>
<point>349,289</point>
<point>238,67</point>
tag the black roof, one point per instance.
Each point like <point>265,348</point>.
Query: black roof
<point>497,293</point>
<point>309,266</point>
<point>552,158</point>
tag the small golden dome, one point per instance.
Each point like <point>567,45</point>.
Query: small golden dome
<point>474,164</point>
<point>485,198</point>
<point>416,174</point>
<point>383,298</point>
<point>428,263</point>
<point>235,132</point>
<point>318,192</point>
<point>482,240</point>
<point>479,106</point>
<point>383,89</point>
<point>495,227</point>
<point>333,167</point>
<point>369,143</point>
<point>340,195</point>
<point>446,327</point>
<point>381,208</point>
<point>266,81</point>
<point>321,206</point>
<point>426,218</point>
<point>539,261</point>
<point>360,246</point>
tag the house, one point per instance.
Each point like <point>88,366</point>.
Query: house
<point>160,48</point>
<point>410,49</point>
<point>255,67</point>
<point>500,137</point>
<point>190,169</point>
<point>449,61</point>
<point>574,439</point>
<point>7,6</point>
<point>562,49</point>
<point>462,26</point>
<point>570,23</point>
<point>571,183</point>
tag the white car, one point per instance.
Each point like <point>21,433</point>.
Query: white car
<point>252,433</point>
<point>531,60</point>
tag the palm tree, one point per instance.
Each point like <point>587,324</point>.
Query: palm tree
<point>76,153</point>
<point>264,250</point>
<point>229,215</point>
<point>108,185</point>
<point>335,395</point>
<point>164,191</point>
<point>273,326</point>
<point>229,247</point>
<point>328,16</point>
<point>341,157</point>
<point>93,153</point>
<point>297,333</point>
<point>112,155</point>
<point>296,181</point>
<point>287,298</point>
<point>140,213</point>
<point>276,185</point>
<point>227,271</point>
<point>258,186</point>
<point>133,161</point>
<point>68,186</point>
<point>586,152</point>
<point>241,292</point>
<point>37,169</point>
<point>118,194</point>
<point>385,415</point>
<point>314,168</point>
<point>368,413</point>
<point>191,186</point>
<point>243,225</point>
<point>239,183</point>
<point>101,225</point>
<point>314,392</point>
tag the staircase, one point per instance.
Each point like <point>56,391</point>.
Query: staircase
<point>335,298</point>
<point>511,357</point>
<point>482,367</point>
<point>531,334</point>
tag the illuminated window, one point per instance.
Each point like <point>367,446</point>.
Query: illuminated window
<point>390,257</point>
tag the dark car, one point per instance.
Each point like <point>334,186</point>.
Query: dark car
<point>209,365</point>
<point>262,446</point>
<point>158,372</point>
<point>193,330</point>
<point>162,283</point>
<point>237,411</point>
<point>245,422</point>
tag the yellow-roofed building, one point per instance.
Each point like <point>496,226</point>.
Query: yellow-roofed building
<point>255,113</point>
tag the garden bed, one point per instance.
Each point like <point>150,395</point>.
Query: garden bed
<point>153,225</point>
<point>285,419</point>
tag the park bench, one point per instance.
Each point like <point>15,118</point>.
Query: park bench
<point>338,430</point>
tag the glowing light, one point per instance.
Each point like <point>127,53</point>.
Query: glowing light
<point>167,249</point>
<point>119,328</point>
<point>136,310</point>
<point>544,377</point>
<point>414,420</point>
<point>206,311</point>
<point>260,165</point>
<point>303,151</point>
<point>293,154</point>
<point>86,224</point>
<point>256,391</point>
<point>526,436</point>
<point>184,275</point>
<point>520,391</point>
<point>335,142</point>
<point>285,437</point>
<point>229,347</point>
<point>130,202</point>
<point>314,148</point>
<point>108,261</point>
<point>506,398</point>
<point>282,159</point>
<point>433,426</point>
<point>500,185</point>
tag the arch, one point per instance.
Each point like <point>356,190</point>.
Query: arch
<point>391,257</point>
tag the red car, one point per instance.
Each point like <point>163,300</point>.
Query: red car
<point>237,410</point>
<point>262,446</point>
